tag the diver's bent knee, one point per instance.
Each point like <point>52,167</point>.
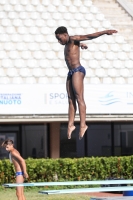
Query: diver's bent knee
<point>70,101</point>
<point>80,100</point>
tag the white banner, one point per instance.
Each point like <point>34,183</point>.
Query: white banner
<point>52,99</point>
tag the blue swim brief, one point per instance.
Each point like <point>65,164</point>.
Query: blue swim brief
<point>78,69</point>
<point>19,173</point>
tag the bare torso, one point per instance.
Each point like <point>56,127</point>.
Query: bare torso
<point>17,165</point>
<point>72,54</point>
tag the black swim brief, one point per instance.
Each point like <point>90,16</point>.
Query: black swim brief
<point>78,69</point>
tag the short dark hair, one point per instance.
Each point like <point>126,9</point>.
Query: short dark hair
<point>61,30</point>
<point>6,142</point>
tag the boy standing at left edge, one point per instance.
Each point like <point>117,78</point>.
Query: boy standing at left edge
<point>19,165</point>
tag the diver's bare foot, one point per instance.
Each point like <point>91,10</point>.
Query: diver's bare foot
<point>70,130</point>
<point>82,131</point>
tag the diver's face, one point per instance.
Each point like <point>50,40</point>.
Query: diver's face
<point>62,38</point>
<point>8,147</point>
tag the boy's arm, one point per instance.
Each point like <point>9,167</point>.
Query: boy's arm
<point>22,162</point>
<point>83,46</point>
<point>93,35</point>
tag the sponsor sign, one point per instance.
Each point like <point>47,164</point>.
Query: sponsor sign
<point>52,99</point>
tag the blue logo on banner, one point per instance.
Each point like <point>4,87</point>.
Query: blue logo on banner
<point>109,98</point>
<point>56,98</point>
<point>10,99</point>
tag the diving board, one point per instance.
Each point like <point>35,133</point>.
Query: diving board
<point>99,182</point>
<point>86,190</point>
<point>112,198</point>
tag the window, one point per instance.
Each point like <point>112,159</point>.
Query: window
<point>34,141</point>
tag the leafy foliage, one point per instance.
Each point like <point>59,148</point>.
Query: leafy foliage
<point>67,169</point>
